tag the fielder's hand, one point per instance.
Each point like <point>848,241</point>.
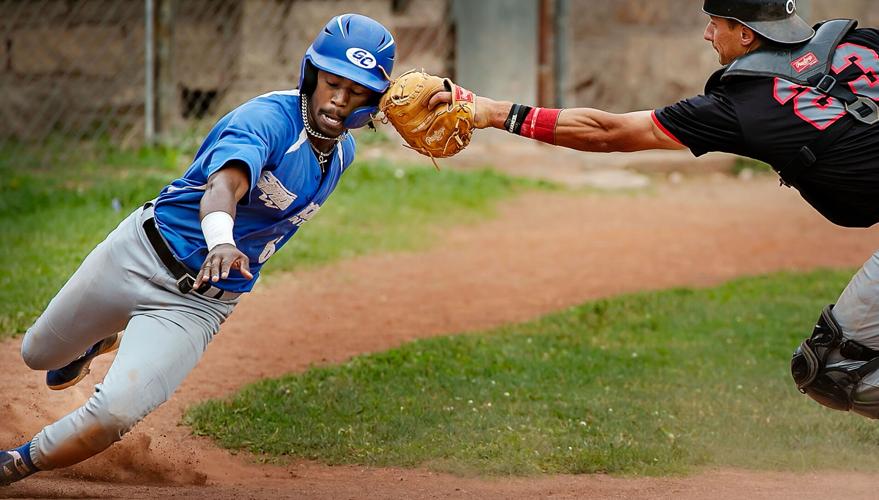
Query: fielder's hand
<point>481,111</point>
<point>219,262</point>
<point>435,131</point>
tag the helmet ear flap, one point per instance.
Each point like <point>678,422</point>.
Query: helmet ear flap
<point>309,79</point>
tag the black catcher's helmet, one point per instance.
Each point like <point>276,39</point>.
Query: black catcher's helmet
<point>776,20</point>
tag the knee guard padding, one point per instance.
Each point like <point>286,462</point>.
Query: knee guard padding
<point>836,386</point>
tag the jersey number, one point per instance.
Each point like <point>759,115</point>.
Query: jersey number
<point>820,110</point>
<point>269,250</point>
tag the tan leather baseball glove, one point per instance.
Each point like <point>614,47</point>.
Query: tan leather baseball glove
<point>439,132</point>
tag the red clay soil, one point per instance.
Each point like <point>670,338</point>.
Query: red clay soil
<point>543,252</point>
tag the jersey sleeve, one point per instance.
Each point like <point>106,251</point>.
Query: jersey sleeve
<point>349,147</point>
<point>703,123</point>
<point>251,136</point>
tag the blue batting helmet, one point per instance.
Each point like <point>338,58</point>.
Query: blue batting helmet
<point>355,47</point>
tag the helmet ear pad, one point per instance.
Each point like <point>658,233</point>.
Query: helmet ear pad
<point>309,79</point>
<point>363,115</point>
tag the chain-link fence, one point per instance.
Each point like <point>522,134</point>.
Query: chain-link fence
<point>74,73</point>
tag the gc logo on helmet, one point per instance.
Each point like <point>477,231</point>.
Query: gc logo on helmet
<point>354,47</point>
<point>361,57</point>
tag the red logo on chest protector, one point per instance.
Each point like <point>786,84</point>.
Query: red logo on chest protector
<point>805,62</point>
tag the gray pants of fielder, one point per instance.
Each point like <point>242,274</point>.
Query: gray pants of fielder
<point>121,285</point>
<point>857,312</point>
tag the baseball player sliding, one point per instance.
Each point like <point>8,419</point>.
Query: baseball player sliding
<point>801,99</point>
<point>173,271</point>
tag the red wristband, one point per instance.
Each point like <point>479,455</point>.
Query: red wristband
<point>540,124</point>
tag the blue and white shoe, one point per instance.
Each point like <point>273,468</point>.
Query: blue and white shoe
<point>76,370</point>
<point>13,466</point>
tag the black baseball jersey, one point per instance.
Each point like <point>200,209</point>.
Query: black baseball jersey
<point>770,119</point>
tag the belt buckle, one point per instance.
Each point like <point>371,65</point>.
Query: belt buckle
<point>870,118</point>
<point>185,283</point>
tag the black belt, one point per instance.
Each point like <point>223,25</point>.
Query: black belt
<point>185,280</point>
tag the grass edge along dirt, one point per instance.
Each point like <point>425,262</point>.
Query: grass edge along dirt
<point>51,218</point>
<point>652,383</point>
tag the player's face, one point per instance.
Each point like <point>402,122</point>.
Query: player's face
<point>334,98</point>
<point>726,39</point>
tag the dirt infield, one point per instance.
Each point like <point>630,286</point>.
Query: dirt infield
<point>543,252</point>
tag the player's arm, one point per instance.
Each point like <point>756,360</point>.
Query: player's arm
<point>585,129</point>
<point>224,189</point>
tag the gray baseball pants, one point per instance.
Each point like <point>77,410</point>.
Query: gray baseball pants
<point>121,285</point>
<point>857,312</point>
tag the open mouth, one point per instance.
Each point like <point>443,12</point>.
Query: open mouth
<point>330,122</point>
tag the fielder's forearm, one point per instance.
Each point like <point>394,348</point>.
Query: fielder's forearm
<point>584,129</point>
<point>494,112</point>
<point>590,129</point>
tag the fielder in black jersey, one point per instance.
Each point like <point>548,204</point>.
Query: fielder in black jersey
<point>770,118</point>
<point>800,98</point>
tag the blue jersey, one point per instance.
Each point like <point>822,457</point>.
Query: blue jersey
<point>286,186</point>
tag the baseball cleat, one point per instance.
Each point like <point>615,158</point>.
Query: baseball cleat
<point>13,467</point>
<point>76,370</point>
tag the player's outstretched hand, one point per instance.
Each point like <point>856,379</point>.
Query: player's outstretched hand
<point>220,261</point>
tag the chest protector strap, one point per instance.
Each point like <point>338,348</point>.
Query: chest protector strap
<point>808,65</point>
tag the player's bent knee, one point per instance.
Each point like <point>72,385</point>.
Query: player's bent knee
<point>838,385</point>
<point>121,419</point>
<point>129,404</point>
<point>109,429</point>
<point>115,416</point>
<point>34,357</point>
<point>114,426</point>
<point>94,427</point>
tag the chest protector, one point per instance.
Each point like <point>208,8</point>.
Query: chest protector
<point>796,63</point>
<point>809,65</point>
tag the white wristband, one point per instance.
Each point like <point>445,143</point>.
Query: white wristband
<point>217,229</point>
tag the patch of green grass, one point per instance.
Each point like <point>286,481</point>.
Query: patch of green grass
<point>128,178</point>
<point>66,157</point>
<point>51,217</point>
<point>383,207</point>
<point>755,166</point>
<point>369,137</point>
<point>653,383</point>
